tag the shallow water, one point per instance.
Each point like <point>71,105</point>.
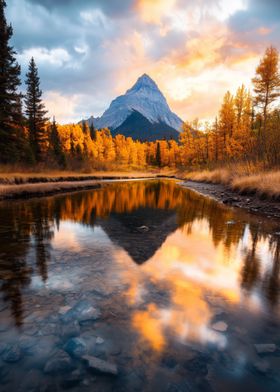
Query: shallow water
<point>175,289</point>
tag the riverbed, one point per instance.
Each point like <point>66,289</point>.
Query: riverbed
<point>138,286</point>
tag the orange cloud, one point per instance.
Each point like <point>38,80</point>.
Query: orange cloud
<point>152,11</point>
<point>264,31</point>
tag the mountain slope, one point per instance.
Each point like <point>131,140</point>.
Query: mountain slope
<point>140,128</point>
<point>127,112</point>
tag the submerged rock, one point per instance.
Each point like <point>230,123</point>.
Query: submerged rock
<point>82,311</point>
<point>31,382</point>
<point>76,347</point>
<point>100,366</point>
<point>64,309</point>
<point>12,353</point>
<point>59,362</point>
<point>99,340</point>
<point>3,347</point>
<point>265,348</point>
<point>142,229</point>
<point>70,330</point>
<point>220,326</point>
<point>72,380</point>
<point>261,366</point>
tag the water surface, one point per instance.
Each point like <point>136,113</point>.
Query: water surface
<point>184,290</point>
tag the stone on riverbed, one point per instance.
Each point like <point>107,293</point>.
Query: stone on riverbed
<point>59,362</point>
<point>220,326</point>
<point>76,347</point>
<point>3,347</point>
<point>99,340</point>
<point>142,229</point>
<point>12,353</point>
<point>261,366</point>
<point>265,348</point>
<point>100,366</point>
<point>72,380</point>
<point>82,311</point>
<point>70,330</point>
<point>64,309</point>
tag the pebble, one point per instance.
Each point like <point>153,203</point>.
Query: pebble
<point>59,362</point>
<point>12,354</point>
<point>142,229</point>
<point>265,348</point>
<point>220,326</point>
<point>3,347</point>
<point>99,340</point>
<point>72,380</point>
<point>101,366</point>
<point>82,311</point>
<point>76,347</point>
<point>70,330</point>
<point>64,309</point>
<point>261,366</point>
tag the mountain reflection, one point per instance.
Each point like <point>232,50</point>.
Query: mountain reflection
<point>139,217</point>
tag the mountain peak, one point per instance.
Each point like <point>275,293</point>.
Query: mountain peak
<point>144,81</point>
<point>145,98</point>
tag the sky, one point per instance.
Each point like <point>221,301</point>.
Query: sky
<point>90,51</point>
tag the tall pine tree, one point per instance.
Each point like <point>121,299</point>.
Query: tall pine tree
<point>158,155</point>
<point>36,113</point>
<point>56,146</point>
<point>11,131</point>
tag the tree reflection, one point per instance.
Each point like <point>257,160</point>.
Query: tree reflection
<point>272,278</point>
<point>251,267</point>
<point>27,229</point>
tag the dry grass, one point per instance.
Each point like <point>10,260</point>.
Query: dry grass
<point>38,190</point>
<point>218,176</point>
<point>10,178</point>
<point>265,184</point>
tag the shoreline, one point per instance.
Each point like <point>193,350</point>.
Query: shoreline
<point>55,185</point>
<point>43,186</point>
<point>223,194</point>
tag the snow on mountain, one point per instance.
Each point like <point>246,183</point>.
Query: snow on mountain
<point>145,98</point>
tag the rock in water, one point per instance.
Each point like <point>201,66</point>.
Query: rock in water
<point>60,362</point>
<point>265,348</point>
<point>3,347</point>
<point>220,326</point>
<point>12,354</point>
<point>100,366</point>
<point>261,366</point>
<point>72,380</point>
<point>76,347</point>
<point>99,340</point>
<point>70,330</point>
<point>82,311</point>
<point>142,229</point>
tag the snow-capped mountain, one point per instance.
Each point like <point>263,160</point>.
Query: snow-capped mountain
<point>145,102</point>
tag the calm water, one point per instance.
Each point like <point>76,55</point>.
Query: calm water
<point>175,289</point>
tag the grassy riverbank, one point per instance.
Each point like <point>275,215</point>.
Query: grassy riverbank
<point>238,178</point>
<point>28,184</point>
<point>264,184</point>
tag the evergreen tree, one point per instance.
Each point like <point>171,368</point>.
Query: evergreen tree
<point>11,132</point>
<point>35,112</point>
<point>92,131</point>
<point>158,155</point>
<point>56,146</point>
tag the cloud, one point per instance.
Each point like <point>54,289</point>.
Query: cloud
<point>90,51</point>
<point>57,57</point>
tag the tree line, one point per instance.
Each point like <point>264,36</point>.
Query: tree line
<point>247,127</point>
